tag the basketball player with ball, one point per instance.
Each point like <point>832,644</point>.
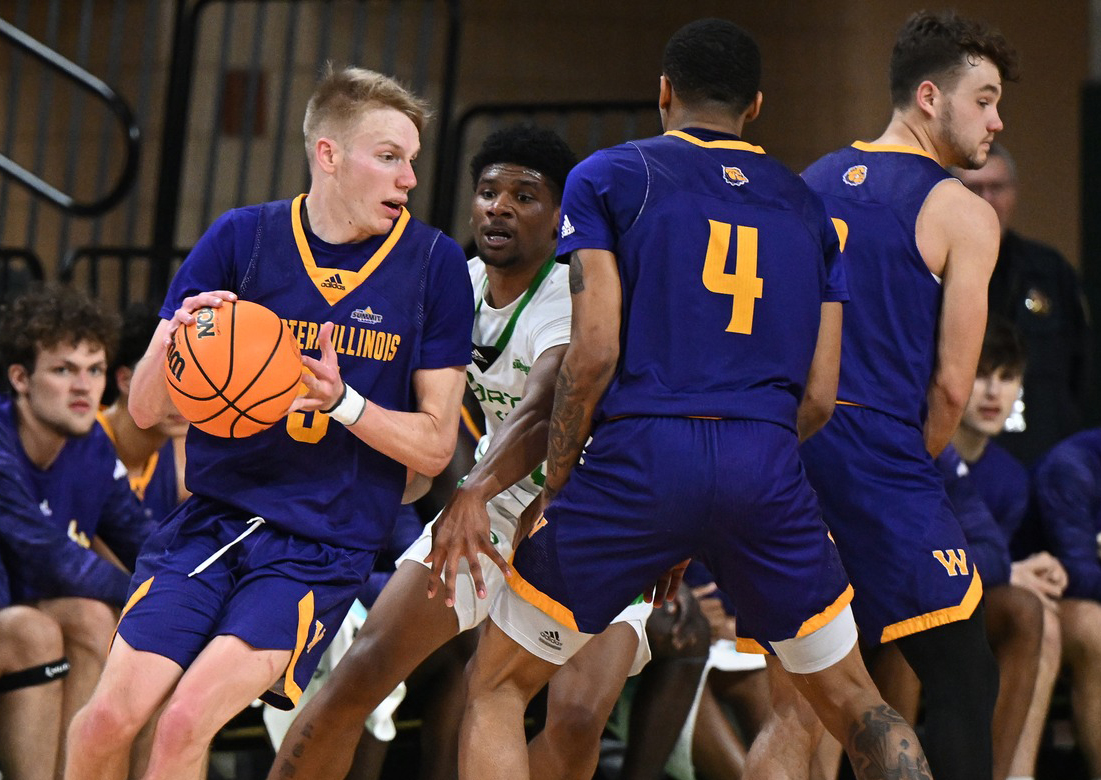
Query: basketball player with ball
<point>238,593</point>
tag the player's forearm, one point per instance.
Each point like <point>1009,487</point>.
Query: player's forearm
<point>517,449</point>
<point>418,440</point>
<point>148,402</point>
<point>581,383</point>
<point>946,402</point>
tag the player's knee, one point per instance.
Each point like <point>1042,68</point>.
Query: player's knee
<point>90,626</point>
<point>1015,616</point>
<point>102,723</point>
<point>573,723</point>
<point>29,638</point>
<point>180,727</point>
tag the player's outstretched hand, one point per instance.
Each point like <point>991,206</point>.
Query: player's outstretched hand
<point>322,377</point>
<point>668,584</point>
<point>185,315</point>
<point>461,532</point>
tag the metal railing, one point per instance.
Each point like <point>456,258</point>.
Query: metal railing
<point>115,104</point>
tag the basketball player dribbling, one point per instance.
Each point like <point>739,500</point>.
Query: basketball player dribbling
<point>239,591</point>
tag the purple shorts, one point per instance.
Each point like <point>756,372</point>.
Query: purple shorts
<point>885,504</point>
<point>652,491</point>
<point>272,590</point>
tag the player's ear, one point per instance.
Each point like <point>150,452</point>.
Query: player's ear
<point>326,152</point>
<point>928,96</point>
<point>665,93</point>
<point>557,222</point>
<point>123,375</point>
<point>18,378</point>
<point>754,109</point>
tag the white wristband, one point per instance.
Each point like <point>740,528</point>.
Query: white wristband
<point>350,407</point>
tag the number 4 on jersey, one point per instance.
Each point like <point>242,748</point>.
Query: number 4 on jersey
<point>743,285</point>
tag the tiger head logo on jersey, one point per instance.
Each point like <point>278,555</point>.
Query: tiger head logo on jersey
<point>734,176</point>
<point>856,175</point>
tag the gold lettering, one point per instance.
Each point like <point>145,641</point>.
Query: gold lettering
<point>338,341</point>
<point>393,347</point>
<point>311,335</point>
<point>369,343</point>
<point>954,561</point>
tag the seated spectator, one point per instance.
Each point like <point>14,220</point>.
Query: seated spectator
<point>63,486</point>
<point>1003,484</point>
<point>1067,488</point>
<point>153,456</point>
<point>1035,288</point>
<point>32,668</point>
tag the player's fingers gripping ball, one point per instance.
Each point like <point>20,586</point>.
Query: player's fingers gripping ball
<point>235,371</point>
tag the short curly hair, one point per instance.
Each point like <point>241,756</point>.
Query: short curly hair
<point>532,147</point>
<point>47,316</point>
<point>713,61</point>
<point>935,47</point>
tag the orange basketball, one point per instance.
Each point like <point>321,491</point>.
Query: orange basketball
<point>234,371</point>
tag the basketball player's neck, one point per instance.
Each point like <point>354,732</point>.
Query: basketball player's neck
<point>907,128</point>
<point>41,443</point>
<point>505,285</point>
<point>970,443</point>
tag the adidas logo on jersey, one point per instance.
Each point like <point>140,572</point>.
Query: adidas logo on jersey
<point>567,228</point>
<point>334,282</point>
<point>550,639</point>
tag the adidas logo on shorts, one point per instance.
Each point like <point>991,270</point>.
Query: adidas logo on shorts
<point>550,639</point>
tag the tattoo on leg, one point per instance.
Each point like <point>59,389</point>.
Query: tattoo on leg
<point>884,747</point>
<point>287,768</point>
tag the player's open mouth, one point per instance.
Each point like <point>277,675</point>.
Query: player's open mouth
<point>393,205</point>
<point>496,236</point>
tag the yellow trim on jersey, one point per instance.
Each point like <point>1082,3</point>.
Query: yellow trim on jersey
<point>939,617</point>
<point>740,146</point>
<point>349,280</point>
<point>849,403</point>
<point>864,146</point>
<point>812,624</point>
<point>745,645</point>
<point>305,620</point>
<point>541,601</point>
<point>135,597</point>
<point>139,483</point>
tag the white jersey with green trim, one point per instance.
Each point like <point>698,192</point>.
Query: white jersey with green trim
<point>506,342</point>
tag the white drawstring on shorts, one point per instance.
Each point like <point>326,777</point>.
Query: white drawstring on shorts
<point>253,524</point>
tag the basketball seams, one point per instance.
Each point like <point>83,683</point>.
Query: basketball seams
<point>257,371</point>
<point>232,403</point>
